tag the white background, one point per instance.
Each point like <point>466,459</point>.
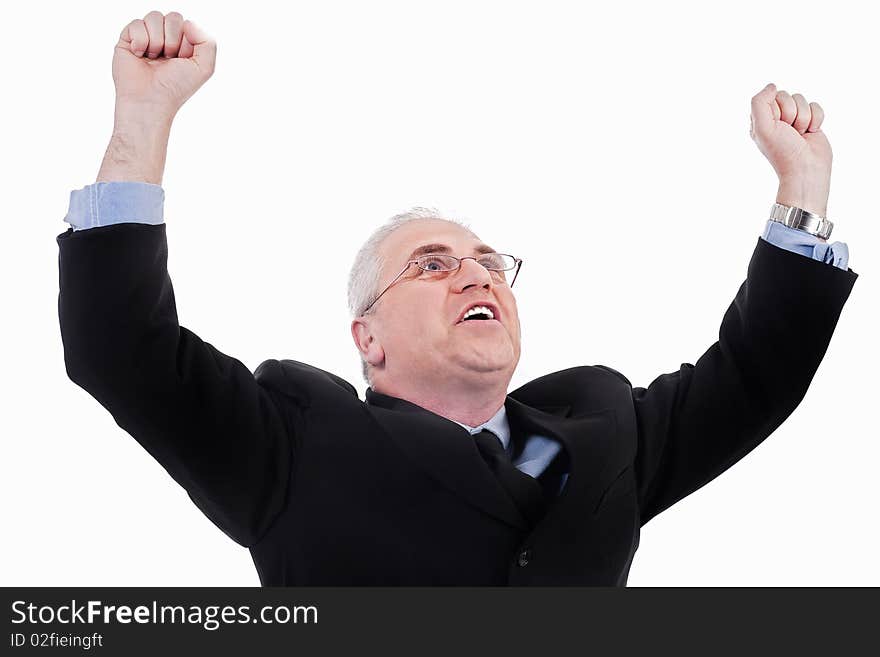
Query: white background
<point>607,147</point>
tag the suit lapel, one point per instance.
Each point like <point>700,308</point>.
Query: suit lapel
<point>587,439</point>
<point>447,452</point>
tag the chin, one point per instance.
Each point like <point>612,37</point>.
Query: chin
<point>501,363</point>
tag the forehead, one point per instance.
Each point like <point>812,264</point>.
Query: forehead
<point>397,247</point>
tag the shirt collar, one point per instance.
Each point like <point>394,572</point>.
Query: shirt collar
<point>497,424</point>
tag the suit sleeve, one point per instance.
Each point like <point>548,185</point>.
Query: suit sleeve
<point>200,413</point>
<point>695,423</point>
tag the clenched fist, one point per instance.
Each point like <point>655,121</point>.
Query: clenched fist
<point>787,130</point>
<point>160,61</point>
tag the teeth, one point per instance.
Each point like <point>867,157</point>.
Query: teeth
<point>476,310</point>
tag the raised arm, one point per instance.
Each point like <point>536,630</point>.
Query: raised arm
<point>202,414</point>
<point>695,423</point>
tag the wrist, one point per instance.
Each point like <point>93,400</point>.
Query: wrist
<point>805,193</point>
<point>136,152</point>
<point>138,114</point>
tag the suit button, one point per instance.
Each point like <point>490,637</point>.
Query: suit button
<point>523,558</point>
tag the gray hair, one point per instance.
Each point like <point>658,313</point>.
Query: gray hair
<point>364,279</point>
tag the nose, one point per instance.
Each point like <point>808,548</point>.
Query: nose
<point>471,273</point>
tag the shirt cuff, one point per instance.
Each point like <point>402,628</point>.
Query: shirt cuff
<point>108,203</point>
<point>799,241</point>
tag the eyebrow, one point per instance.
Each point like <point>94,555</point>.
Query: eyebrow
<point>443,248</point>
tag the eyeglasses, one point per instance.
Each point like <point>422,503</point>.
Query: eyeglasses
<point>442,263</point>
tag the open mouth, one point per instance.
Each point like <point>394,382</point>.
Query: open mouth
<point>479,313</point>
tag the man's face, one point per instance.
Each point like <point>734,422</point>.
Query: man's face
<point>417,325</point>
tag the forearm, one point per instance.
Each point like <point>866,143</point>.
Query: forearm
<point>137,148</point>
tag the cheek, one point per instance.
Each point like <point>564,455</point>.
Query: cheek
<point>513,314</point>
<point>415,332</point>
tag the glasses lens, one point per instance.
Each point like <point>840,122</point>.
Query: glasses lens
<point>438,262</point>
<point>497,261</point>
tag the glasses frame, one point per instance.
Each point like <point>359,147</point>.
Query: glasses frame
<point>517,264</point>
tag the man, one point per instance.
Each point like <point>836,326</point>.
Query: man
<point>440,477</point>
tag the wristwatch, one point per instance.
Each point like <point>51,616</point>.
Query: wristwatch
<point>802,220</point>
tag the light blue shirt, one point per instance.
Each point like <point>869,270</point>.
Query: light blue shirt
<point>108,203</point>
<point>537,453</point>
<point>799,241</point>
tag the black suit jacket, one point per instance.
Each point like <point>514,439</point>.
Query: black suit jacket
<point>327,489</point>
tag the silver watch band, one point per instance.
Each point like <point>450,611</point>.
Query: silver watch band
<point>802,220</point>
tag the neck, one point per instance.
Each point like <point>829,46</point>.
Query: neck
<point>468,406</point>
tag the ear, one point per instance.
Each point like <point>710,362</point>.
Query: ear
<point>367,342</point>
